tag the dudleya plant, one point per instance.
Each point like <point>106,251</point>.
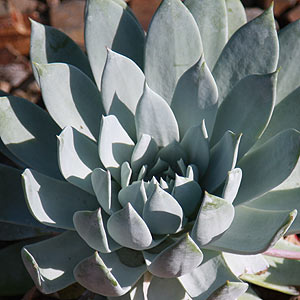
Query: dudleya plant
<point>177,152</point>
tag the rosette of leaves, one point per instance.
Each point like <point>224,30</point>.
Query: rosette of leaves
<point>166,162</point>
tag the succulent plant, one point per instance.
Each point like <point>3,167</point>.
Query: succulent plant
<point>176,161</point>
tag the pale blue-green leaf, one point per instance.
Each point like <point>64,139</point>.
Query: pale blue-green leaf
<point>106,190</point>
<point>176,260</point>
<point>14,278</point>
<point>162,213</point>
<point>106,274</point>
<point>236,16</point>
<point>159,167</point>
<point>163,184</point>
<point>135,194</point>
<point>256,41</point>
<point>282,271</point>
<point>211,18</point>
<point>91,226</point>
<point>14,232</point>
<point>286,115</point>
<point>245,264</point>
<point>223,157</point>
<point>232,184</point>
<point>142,173</point>
<point>173,153</point>
<point>230,290</point>
<point>77,158</point>
<point>192,172</point>
<point>214,218</point>
<point>121,88</point>
<point>280,200</point>
<point>20,131</point>
<point>155,118</point>
<point>71,97</point>
<point>136,293</point>
<point>107,24</point>
<point>261,280</point>
<point>169,51</point>
<point>16,222</point>
<point>253,230</point>
<point>167,289</point>
<point>143,153</point>
<point>195,98</point>
<point>4,150</point>
<point>247,109</point>
<point>188,194</point>
<point>53,202</point>
<point>128,229</point>
<point>50,267</point>
<point>196,146</point>
<point>269,165</point>
<point>208,277</point>
<point>115,146</point>
<point>126,173</point>
<point>49,45</point>
<point>288,77</point>
<point>182,166</point>
<point>249,295</point>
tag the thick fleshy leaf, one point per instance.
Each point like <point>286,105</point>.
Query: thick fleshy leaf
<point>121,88</point>
<point>209,276</point>
<point>245,264</point>
<point>230,290</point>
<point>126,173</point>
<point>169,51</point>
<point>188,194</point>
<point>20,131</point>
<point>195,98</point>
<point>249,295</point>
<point>106,190</point>
<point>269,165</point>
<point>50,268</point>
<point>288,77</point>
<point>176,260</point>
<point>14,232</point>
<point>155,118</point>
<point>128,229</point>
<point>223,157</point>
<point>236,15</point>
<point>16,222</point>
<point>255,41</point>
<point>91,226</point>
<point>172,154</point>
<point>211,18</point>
<point>196,146</point>
<point>135,194</point>
<point>108,24</point>
<point>53,202</point>
<point>214,217</point>
<point>75,101</point>
<point>77,157</point>
<point>280,200</point>
<point>107,274</point>
<point>167,289</point>
<point>267,227</point>
<point>4,150</point>
<point>143,153</point>
<point>247,109</point>
<point>162,213</point>
<point>286,115</point>
<point>232,185</point>
<point>49,45</point>
<point>14,279</point>
<point>115,146</point>
<point>261,280</point>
